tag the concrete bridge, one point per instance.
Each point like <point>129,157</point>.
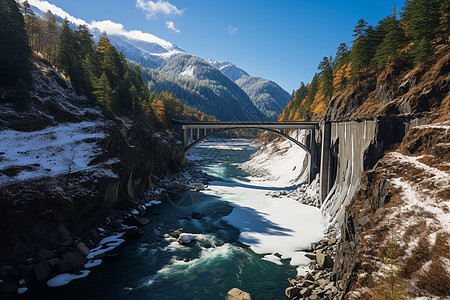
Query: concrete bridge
<point>193,133</point>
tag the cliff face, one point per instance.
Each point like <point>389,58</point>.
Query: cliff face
<point>398,90</point>
<point>394,236</point>
<point>64,165</point>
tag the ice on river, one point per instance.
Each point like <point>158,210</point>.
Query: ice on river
<point>268,224</point>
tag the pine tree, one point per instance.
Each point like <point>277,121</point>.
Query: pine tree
<point>51,35</point>
<point>86,44</point>
<point>326,77</point>
<point>103,92</point>
<point>342,54</point>
<point>14,48</point>
<point>363,49</point>
<point>360,29</point>
<point>67,50</point>
<point>393,42</point>
<point>444,27</point>
<point>422,20</point>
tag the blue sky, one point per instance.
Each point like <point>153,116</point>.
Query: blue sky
<point>278,40</point>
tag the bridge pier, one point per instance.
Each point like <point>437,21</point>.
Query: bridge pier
<point>313,169</point>
<point>325,161</point>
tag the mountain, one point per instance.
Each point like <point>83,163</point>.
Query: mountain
<point>199,84</point>
<point>266,95</point>
<point>214,87</point>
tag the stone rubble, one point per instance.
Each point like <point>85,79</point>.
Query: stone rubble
<point>318,283</point>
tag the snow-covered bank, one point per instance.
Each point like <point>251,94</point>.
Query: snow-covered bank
<point>270,224</point>
<point>280,160</point>
<point>55,150</point>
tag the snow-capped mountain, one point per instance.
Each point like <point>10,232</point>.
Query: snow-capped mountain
<point>214,87</point>
<point>266,95</point>
<point>229,69</point>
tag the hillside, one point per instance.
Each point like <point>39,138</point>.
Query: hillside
<point>172,69</point>
<point>393,241</point>
<point>67,151</point>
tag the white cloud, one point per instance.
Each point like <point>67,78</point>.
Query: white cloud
<point>113,28</point>
<point>110,27</point>
<point>171,25</point>
<point>232,29</point>
<point>45,6</point>
<point>151,8</point>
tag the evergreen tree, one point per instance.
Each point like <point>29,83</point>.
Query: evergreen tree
<point>51,35</point>
<point>360,29</point>
<point>103,92</point>
<point>326,77</point>
<point>342,54</point>
<point>67,50</point>
<point>14,48</point>
<point>444,27</point>
<point>422,21</point>
<point>363,49</point>
<point>393,42</point>
<point>86,44</point>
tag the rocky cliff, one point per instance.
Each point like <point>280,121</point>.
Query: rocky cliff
<point>394,234</point>
<point>64,165</point>
<point>398,89</point>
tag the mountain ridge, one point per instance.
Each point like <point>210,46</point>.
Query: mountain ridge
<point>222,90</point>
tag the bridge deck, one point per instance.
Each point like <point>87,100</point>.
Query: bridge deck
<point>269,125</point>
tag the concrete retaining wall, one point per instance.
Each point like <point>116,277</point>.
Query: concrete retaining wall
<point>349,141</point>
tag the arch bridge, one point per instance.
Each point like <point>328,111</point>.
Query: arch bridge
<point>194,132</point>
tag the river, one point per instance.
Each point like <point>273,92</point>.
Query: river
<point>237,214</point>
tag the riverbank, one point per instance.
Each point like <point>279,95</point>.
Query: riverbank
<point>78,256</point>
<point>279,160</point>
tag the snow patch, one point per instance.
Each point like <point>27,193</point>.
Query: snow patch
<point>67,147</point>
<point>92,263</point>
<point>65,278</point>
<point>188,73</point>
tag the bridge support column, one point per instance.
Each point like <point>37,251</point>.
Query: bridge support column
<point>185,138</point>
<point>312,156</point>
<point>325,161</point>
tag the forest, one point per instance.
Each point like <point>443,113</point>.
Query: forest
<point>98,71</point>
<point>404,39</point>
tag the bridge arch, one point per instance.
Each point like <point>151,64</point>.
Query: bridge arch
<point>184,127</point>
<point>191,146</point>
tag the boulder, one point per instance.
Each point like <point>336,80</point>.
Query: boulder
<point>186,238</point>
<point>175,186</point>
<point>71,262</point>
<point>324,260</point>
<point>54,262</point>
<point>292,292</point>
<point>237,294</point>
<point>198,186</point>
<point>83,248</point>
<point>305,292</point>
<point>176,233</point>
<point>42,270</point>
<point>45,254</point>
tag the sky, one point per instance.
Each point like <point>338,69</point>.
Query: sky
<point>281,40</point>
